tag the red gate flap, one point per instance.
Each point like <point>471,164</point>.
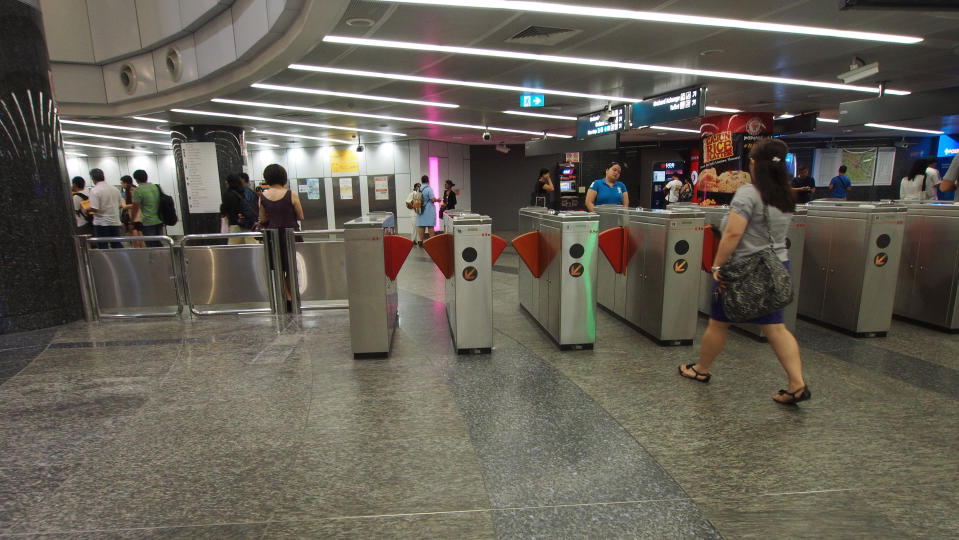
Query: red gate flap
<point>710,243</point>
<point>527,246</point>
<point>395,250</point>
<point>611,243</point>
<point>498,245</point>
<point>440,249</point>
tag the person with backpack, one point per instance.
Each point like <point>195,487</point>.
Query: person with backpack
<point>84,219</point>
<point>411,202</point>
<point>146,197</point>
<point>238,210</point>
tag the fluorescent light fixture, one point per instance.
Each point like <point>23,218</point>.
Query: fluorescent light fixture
<point>903,128</point>
<point>146,119</point>
<point>786,116</point>
<point>134,150</point>
<point>661,17</point>
<point>263,143</point>
<point>300,90</point>
<point>367,115</point>
<point>110,126</point>
<point>541,115</point>
<point>682,130</point>
<point>84,134</point>
<point>828,120</point>
<point>75,154</point>
<point>597,62</point>
<point>294,136</point>
<point>722,109</point>
<point>457,82</point>
<point>276,120</point>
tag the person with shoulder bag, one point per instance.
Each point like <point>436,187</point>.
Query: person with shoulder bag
<point>751,270</point>
<point>410,203</point>
<point>236,209</point>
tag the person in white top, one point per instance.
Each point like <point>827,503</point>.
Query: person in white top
<point>409,204</point>
<point>105,207</point>
<point>672,189</point>
<point>951,178</point>
<point>910,188</point>
<point>79,208</point>
<point>932,180</point>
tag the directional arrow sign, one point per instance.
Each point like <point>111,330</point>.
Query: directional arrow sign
<point>532,100</point>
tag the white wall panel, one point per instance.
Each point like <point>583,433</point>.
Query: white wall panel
<point>77,83</point>
<point>215,46</point>
<point>145,78</point>
<point>401,157</point>
<point>158,20</point>
<point>310,162</point>
<point>77,166</point>
<point>281,11</point>
<point>262,158</point>
<point>191,10</point>
<point>114,28</point>
<point>379,158</point>
<point>250,24</point>
<point>464,198</point>
<point>110,165</point>
<point>189,70</point>
<point>437,148</point>
<point>67,31</point>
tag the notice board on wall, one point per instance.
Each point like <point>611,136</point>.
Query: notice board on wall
<point>202,177</point>
<point>870,166</point>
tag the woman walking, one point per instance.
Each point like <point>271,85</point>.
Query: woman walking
<point>759,213</point>
<point>280,208</point>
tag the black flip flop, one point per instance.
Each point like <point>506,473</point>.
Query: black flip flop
<point>803,392</point>
<point>694,377</point>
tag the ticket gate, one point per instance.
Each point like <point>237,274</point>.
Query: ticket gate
<point>795,243</point>
<point>611,280</point>
<point>928,287</point>
<point>851,265</point>
<point>557,280</point>
<point>374,257</point>
<point>465,253</point>
<point>657,252</point>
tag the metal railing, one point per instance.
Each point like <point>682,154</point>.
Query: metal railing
<point>230,278</point>
<point>317,260</point>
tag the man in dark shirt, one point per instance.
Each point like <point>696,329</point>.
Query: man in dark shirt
<point>804,186</point>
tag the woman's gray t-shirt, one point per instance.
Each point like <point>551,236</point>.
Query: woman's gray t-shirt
<point>749,204</point>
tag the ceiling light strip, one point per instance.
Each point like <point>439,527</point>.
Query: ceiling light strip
<point>379,116</point>
<point>722,109</point>
<point>903,128</point>
<point>146,119</point>
<point>828,120</point>
<point>457,82</point>
<point>108,126</point>
<point>318,92</point>
<point>296,136</point>
<point>84,134</point>
<point>277,120</point>
<point>661,17</point>
<point>682,130</point>
<point>134,150</point>
<point>596,62</point>
<point>75,154</point>
<point>541,115</point>
<point>263,143</point>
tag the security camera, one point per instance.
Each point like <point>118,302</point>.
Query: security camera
<point>901,144</point>
<point>359,148</point>
<point>487,136</point>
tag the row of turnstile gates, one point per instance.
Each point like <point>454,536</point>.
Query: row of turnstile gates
<point>853,265</point>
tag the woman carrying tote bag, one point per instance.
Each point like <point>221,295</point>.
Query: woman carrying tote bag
<point>751,272</point>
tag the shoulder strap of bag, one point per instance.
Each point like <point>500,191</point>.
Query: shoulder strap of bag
<point>769,229</point>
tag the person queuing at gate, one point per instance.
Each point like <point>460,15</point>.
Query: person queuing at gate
<point>804,186</point>
<point>147,198</point>
<point>608,190</point>
<point>759,212</point>
<point>426,220</point>
<point>932,180</point>
<point>413,201</point>
<point>913,187</point>
<point>542,190</point>
<point>105,207</point>
<point>840,184</point>
<point>280,208</point>
<point>248,192</point>
<point>83,218</point>
<point>449,198</point>
<point>238,210</point>
<point>130,215</point>
<point>673,187</point>
<point>951,178</point>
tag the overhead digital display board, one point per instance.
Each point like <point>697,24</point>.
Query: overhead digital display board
<point>588,125</point>
<point>671,107</point>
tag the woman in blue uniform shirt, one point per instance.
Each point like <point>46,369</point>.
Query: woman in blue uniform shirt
<point>608,190</point>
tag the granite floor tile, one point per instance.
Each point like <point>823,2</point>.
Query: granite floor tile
<point>118,361</point>
<point>239,531</point>
<point>14,360</point>
<point>24,486</point>
<point>474,525</point>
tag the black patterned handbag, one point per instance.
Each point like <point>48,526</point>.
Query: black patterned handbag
<point>755,285</point>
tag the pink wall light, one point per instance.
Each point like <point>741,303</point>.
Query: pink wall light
<point>434,184</point>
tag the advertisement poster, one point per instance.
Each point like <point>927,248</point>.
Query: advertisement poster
<point>724,150</point>
<point>313,189</point>
<point>572,157</point>
<point>381,188</point>
<point>346,189</point>
<point>344,161</point>
<point>202,177</point>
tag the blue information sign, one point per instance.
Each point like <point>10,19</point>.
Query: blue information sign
<point>532,100</point>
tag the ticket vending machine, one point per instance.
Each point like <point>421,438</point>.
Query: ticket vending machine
<point>568,183</point>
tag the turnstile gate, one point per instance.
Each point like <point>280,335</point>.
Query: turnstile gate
<point>851,265</point>
<point>374,256</point>
<point>928,285</point>
<point>795,243</point>
<point>465,253</point>
<point>654,255</point>
<point>557,282</point>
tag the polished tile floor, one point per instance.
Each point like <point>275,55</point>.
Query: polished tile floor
<point>258,427</point>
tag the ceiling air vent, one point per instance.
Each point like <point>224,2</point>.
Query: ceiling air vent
<point>543,35</point>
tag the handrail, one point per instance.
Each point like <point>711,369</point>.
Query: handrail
<point>85,241</point>
<point>219,236</point>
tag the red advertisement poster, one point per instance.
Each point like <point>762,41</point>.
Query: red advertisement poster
<point>725,142</point>
<point>694,171</point>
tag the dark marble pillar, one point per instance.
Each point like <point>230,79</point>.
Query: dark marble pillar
<point>39,284</point>
<point>229,160</point>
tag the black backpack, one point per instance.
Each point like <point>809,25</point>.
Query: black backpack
<point>87,217</point>
<point>248,216</point>
<point>166,209</point>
